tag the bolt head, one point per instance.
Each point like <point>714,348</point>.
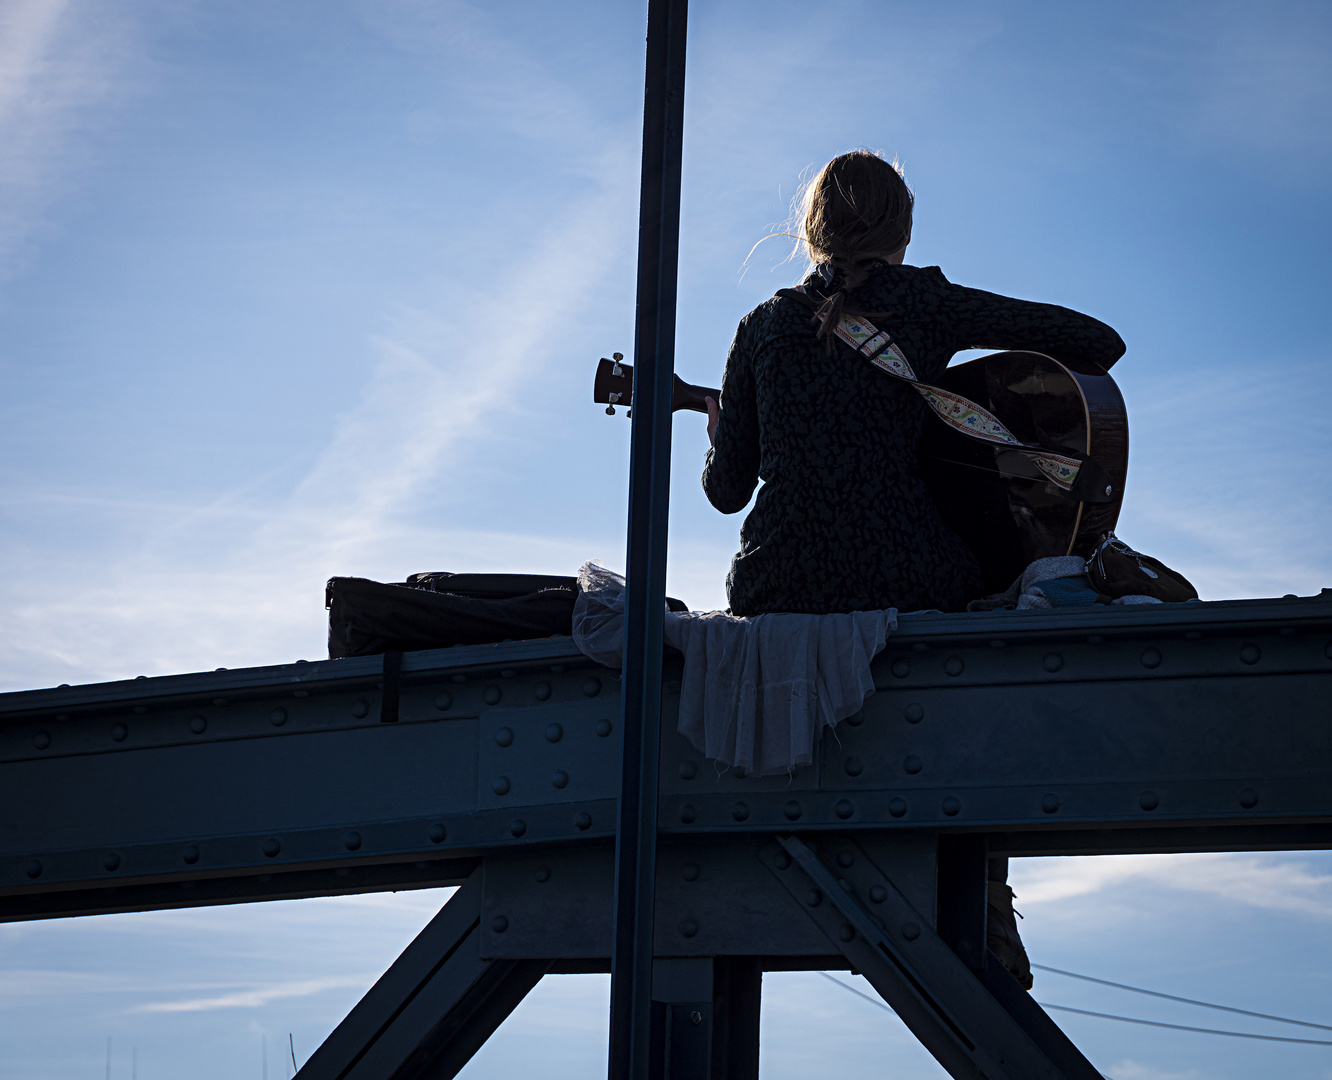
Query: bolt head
<point>911,931</point>
<point>33,868</point>
<point>912,764</point>
<point>554,732</point>
<point>492,695</point>
<point>688,770</point>
<point>517,828</point>
<point>914,713</point>
<point>688,927</point>
<point>1250,653</point>
<point>856,718</point>
<point>854,766</point>
<point>813,898</point>
<point>696,1017</point>
<point>504,737</point>
<point>878,894</point>
<point>844,809</point>
<point>1050,802</point>
<point>1149,800</point>
<point>198,725</point>
<point>542,874</point>
<point>41,740</point>
<point>360,708</point>
<point>278,717</point>
<point>582,822</point>
<point>689,871</point>
<point>953,665</point>
<point>112,861</point>
<point>792,810</point>
<point>119,732</point>
<point>782,861</point>
<point>1248,798</point>
<point>541,691</point>
<point>437,833</point>
<point>499,924</point>
<point>901,667</point>
<point>845,859</point>
<point>897,807</point>
<point>500,785</point>
<point>688,815</point>
<point>604,728</point>
<point>846,932</point>
<point>1151,658</point>
<point>272,846</point>
<point>1052,662</point>
<point>592,686</point>
<point>559,779</point>
<point>351,840</point>
<point>444,701</point>
<point>740,811</point>
<point>191,854</point>
<point>951,805</point>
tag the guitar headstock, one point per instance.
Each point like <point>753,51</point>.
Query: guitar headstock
<point>614,384</point>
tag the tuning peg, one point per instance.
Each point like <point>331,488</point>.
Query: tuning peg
<point>610,410</point>
<point>617,371</point>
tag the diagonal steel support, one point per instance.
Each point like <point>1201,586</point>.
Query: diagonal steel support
<point>971,1032</point>
<point>433,1008</point>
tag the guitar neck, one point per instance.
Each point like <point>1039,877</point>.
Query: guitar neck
<point>614,385</point>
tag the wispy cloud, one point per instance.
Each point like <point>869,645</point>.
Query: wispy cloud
<point>1270,883</point>
<point>253,997</point>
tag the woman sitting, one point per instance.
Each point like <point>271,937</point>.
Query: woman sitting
<point>844,521</point>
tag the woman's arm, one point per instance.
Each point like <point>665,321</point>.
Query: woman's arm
<point>732,466</point>
<point>983,320</point>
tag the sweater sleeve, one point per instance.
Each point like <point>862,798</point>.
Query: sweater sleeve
<point>731,469</point>
<point>985,320</point>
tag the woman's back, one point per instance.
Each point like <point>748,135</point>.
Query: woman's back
<point>844,521</point>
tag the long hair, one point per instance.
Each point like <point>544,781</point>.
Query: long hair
<point>855,213</point>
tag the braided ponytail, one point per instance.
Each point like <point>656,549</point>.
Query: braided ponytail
<point>857,212</point>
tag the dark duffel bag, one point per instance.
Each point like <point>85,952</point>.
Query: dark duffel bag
<point>434,611</point>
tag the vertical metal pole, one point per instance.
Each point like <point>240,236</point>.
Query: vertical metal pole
<point>649,504</point>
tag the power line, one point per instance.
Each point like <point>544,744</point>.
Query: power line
<point>1180,1027</point>
<point>1187,1001</point>
<point>1112,1016</point>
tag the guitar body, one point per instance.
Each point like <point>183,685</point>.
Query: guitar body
<point>994,499</point>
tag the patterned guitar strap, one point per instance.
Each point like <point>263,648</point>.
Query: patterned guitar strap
<point>1077,475</point>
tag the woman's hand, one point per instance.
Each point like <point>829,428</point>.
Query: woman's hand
<point>714,410</point>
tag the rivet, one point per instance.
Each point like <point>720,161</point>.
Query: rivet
<point>61,717</point>
<point>901,667</point>
<point>219,701</point>
<point>878,894</point>
<point>1250,653</point>
<point>813,898</point>
<point>1149,800</point>
<point>558,669</point>
<point>1050,802</point>
<point>920,646</point>
<point>1248,798</point>
<point>509,673</point>
<point>687,770</point>
<point>360,708</point>
<point>459,678</point>
<point>911,931</point>
<point>688,815</point>
<point>689,871</point>
<point>953,665</point>
<point>1288,631</point>
<point>783,860</point>
<point>998,643</point>
<point>951,805</point>
<point>351,840</point>
<point>582,822</point>
<point>740,811</point>
<point>914,713</point>
<point>278,717</point>
<point>559,779</point>
<point>492,695</point>
<point>444,701</point>
<point>437,833</point>
<point>272,846</point>
<point>542,874</point>
<point>33,868</point>
<point>300,693</point>
<point>500,785</point>
<point>688,927</point>
<point>912,764</point>
<point>504,736</point>
<point>541,691</point>
<point>140,709</point>
<point>112,861</point>
<point>845,859</point>
<point>854,766</point>
<point>1052,662</point>
<point>592,687</point>
<point>499,924</point>
<point>1095,639</point>
<point>696,1017</point>
<point>41,740</point>
<point>897,807</point>
<point>119,732</point>
<point>1193,635</point>
<point>856,718</point>
<point>191,854</point>
<point>554,732</point>
<point>1151,658</point>
<point>844,809</point>
<point>846,932</point>
<point>604,728</point>
<point>198,725</point>
<point>517,828</point>
<point>1327,650</point>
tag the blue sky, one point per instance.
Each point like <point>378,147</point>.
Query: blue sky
<point>299,289</point>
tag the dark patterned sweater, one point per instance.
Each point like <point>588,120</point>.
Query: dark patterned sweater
<point>843,521</point>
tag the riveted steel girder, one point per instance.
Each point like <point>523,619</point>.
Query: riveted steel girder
<point>1200,726</point>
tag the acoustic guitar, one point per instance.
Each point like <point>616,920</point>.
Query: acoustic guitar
<point>994,498</point>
